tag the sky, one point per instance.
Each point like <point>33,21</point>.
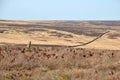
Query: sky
<point>60,9</point>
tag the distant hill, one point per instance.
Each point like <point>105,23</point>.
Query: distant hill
<point>61,32</point>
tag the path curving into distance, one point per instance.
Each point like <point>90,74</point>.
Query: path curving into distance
<point>91,40</point>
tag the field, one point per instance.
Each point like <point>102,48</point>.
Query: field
<point>51,58</point>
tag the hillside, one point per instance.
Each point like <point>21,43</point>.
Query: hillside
<point>65,33</point>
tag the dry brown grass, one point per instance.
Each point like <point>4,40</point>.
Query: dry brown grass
<point>47,61</point>
<point>56,37</point>
<point>61,33</point>
<point>58,63</point>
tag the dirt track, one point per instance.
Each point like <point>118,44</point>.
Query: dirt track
<point>58,63</point>
<point>67,33</point>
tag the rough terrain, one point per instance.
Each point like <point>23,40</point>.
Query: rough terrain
<point>58,63</point>
<point>50,58</point>
<point>65,33</point>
